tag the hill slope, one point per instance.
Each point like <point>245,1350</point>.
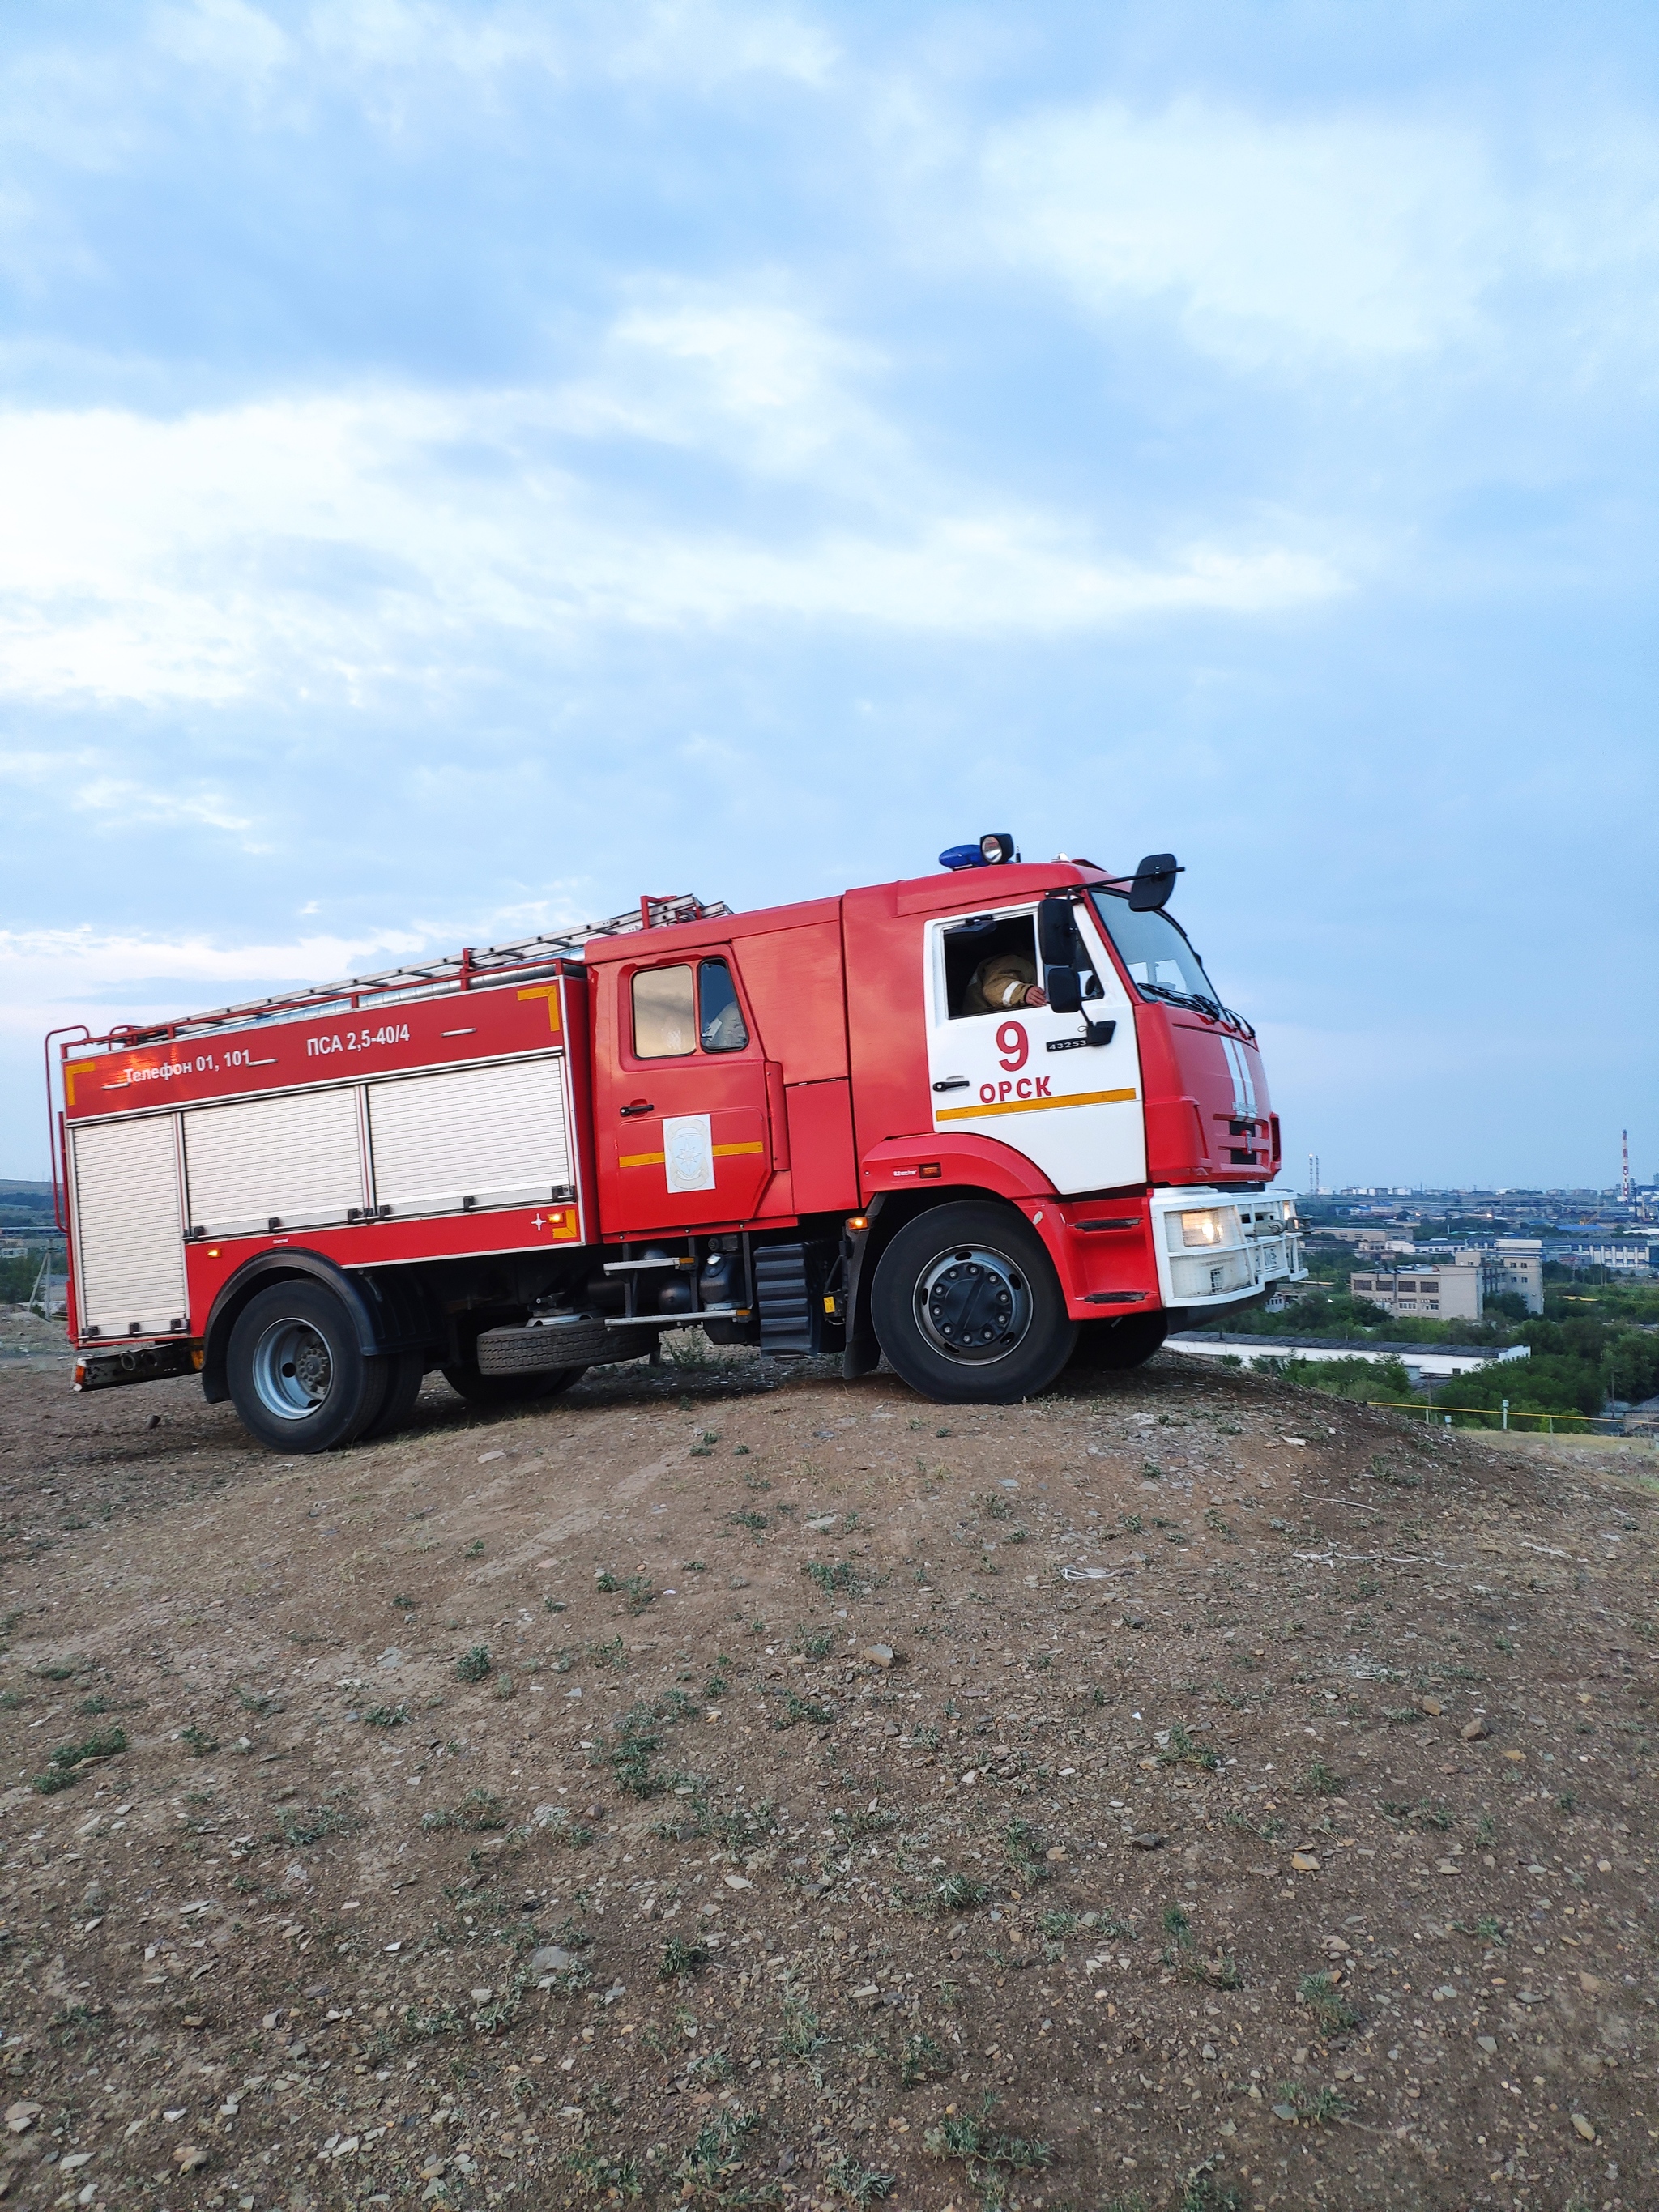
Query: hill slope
<point>524,1809</point>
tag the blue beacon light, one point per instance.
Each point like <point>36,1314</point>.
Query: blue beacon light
<point>991,851</point>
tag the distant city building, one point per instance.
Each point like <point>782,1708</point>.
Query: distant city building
<point>1454,1293</point>
<point>1511,1264</point>
<point>1630,1256</point>
<point>1370,1244</point>
<point>1520,1263</point>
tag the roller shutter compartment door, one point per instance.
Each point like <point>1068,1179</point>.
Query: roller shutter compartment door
<point>297,1160</point>
<point>129,1239</point>
<point>492,1136</point>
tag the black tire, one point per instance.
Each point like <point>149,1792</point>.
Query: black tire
<point>968,1308</point>
<point>1130,1341</point>
<point>407,1372</point>
<point>297,1379</point>
<point>511,1389</point>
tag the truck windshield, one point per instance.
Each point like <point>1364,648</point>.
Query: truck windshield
<point>1155,950</point>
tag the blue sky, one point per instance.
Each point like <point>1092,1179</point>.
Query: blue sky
<point>463,467</point>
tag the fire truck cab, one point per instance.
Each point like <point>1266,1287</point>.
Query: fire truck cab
<point>984,1123</point>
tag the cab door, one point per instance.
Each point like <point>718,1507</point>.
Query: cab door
<point>1063,1088</point>
<point>683,1131</point>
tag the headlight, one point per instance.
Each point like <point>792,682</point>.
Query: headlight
<point>1218,1224</point>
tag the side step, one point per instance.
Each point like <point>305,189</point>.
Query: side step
<point>780,1292</point>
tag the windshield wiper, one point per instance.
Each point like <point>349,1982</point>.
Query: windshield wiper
<point>1199,1003</point>
<point>1178,998</point>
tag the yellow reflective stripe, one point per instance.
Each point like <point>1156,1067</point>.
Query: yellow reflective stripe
<point>656,1159</point>
<point>1031,1105</point>
<point>550,992</point>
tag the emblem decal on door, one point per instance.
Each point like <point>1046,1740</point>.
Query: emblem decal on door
<point>688,1146</point>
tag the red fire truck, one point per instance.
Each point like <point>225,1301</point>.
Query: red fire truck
<point>983,1122</point>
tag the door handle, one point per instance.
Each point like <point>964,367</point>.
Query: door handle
<point>639,1106</point>
<point>953,1083</point>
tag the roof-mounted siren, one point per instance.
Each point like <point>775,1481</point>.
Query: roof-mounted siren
<point>993,850</point>
<point>1154,880</point>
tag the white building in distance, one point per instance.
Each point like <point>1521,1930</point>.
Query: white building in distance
<point>1457,1289</point>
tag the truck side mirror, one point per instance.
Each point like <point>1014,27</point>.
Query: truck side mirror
<point>1065,989</point>
<point>1057,932</point>
<point>1154,880</point>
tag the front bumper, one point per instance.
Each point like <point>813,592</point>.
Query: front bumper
<point>1232,1248</point>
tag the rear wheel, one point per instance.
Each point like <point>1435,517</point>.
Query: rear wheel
<point>1129,1342</point>
<point>967,1309</point>
<point>407,1373</point>
<point>510,1390</point>
<point>297,1379</point>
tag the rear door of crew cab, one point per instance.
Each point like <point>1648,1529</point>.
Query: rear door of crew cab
<point>1023,1073</point>
<point>681,1125</point>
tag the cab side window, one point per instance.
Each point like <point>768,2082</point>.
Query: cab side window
<point>664,1013</point>
<point>990,965</point>
<point>723,1027</point>
<point>678,1009</point>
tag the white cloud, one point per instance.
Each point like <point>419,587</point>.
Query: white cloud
<point>1344,235</point>
<point>228,37</point>
<point>751,379</point>
<point>103,977</point>
<point>78,778</point>
<point>700,42</point>
<point>53,978</point>
<point>284,545</point>
<point>74,963</point>
<point>405,57</point>
<point>130,802</point>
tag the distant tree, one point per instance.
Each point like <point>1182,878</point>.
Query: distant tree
<point>1422,1329</point>
<point>1630,1366</point>
<point>1550,1382</point>
<point>17,1277</point>
<point>1382,1380</point>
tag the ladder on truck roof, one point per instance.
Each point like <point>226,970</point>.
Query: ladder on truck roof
<point>427,979</point>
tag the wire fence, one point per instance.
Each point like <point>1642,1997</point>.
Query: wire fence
<point>1504,1413</point>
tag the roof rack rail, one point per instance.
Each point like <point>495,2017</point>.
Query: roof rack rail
<point>426,979</point>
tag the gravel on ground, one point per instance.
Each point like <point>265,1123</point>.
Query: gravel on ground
<point>727,1785</point>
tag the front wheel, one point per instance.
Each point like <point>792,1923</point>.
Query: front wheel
<point>298,1380</point>
<point>968,1308</point>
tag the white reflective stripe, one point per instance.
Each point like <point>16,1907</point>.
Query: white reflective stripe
<point>1238,1066</point>
<point>1234,1070</point>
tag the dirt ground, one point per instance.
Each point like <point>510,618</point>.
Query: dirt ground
<point>714,1787</point>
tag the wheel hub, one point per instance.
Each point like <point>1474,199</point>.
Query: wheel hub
<point>973,1305</point>
<point>293,1370</point>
